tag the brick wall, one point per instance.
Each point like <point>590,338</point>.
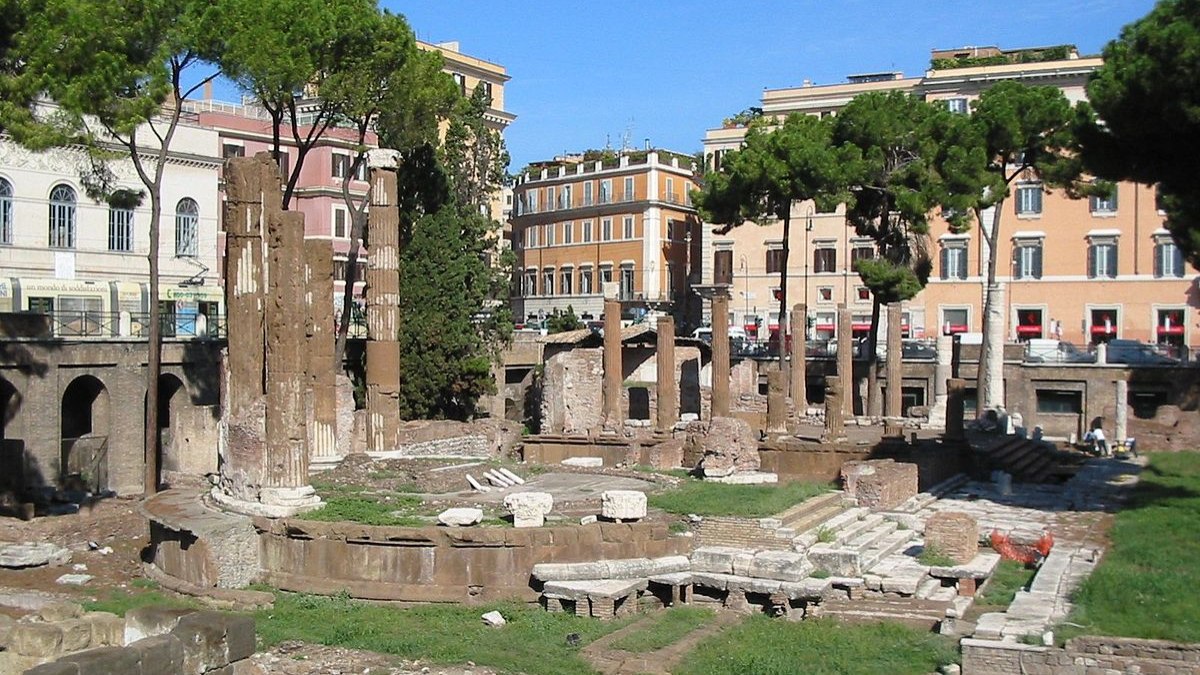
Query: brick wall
<point>880,483</point>
<point>1080,656</point>
<point>740,533</point>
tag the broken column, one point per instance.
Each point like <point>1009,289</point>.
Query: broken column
<point>613,376</point>
<point>383,306</point>
<point>893,408</point>
<point>942,371</point>
<point>322,365</point>
<point>835,425</point>
<point>720,354</point>
<point>1122,411</point>
<point>956,389</point>
<point>990,386</point>
<point>667,388</point>
<point>776,402</point>
<point>799,369</point>
<point>845,357</point>
<point>264,449</point>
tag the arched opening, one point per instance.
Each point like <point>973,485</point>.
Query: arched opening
<point>85,425</point>
<point>171,396</point>
<point>12,451</point>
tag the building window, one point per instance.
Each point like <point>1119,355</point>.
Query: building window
<point>628,194</point>
<point>529,283</point>
<point>824,260</point>
<point>531,200</point>
<point>339,223</point>
<point>1102,258</point>
<point>285,165</point>
<point>1169,330</point>
<point>187,228</point>
<point>551,203</point>
<point>605,274</point>
<point>587,231</point>
<point>232,150</point>
<point>627,227</point>
<point>1168,259</point>
<point>1104,204</point>
<point>550,227</point>
<point>531,238</point>
<point>62,217</point>
<point>957,106</point>
<point>774,261</point>
<point>1027,259</point>
<point>954,259</point>
<point>671,196</point>
<point>341,165</point>
<point>863,294</point>
<point>6,212</point>
<point>606,191</point>
<point>1029,324</point>
<point>461,81</point>
<point>564,197</point>
<point>1029,199</point>
<point>564,279</point>
<point>825,293</point>
<point>548,281</point>
<point>1105,324</point>
<point>120,229</point>
<point>860,253</point>
<point>606,229</point>
<point>627,285</point>
<point>723,267</point>
<point>587,193</point>
<point>585,281</point>
<point>568,233</point>
<point>955,320</point>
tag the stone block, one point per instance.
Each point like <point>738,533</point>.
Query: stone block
<point>74,579</point>
<point>159,654</point>
<point>529,509</point>
<point>729,445</point>
<point>460,516</point>
<point>77,635</point>
<point>43,640</point>
<point>240,634</point>
<point>33,554</point>
<point>108,630</point>
<point>59,611</point>
<point>623,504</point>
<point>54,668</point>
<point>143,622</point>
<point>879,484</point>
<point>584,462</point>
<point>6,626</point>
<point>105,660</point>
<point>202,635</point>
<point>953,534</point>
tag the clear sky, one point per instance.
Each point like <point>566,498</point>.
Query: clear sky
<point>587,73</point>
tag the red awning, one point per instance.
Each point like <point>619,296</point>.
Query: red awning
<point>956,328</point>
<point>825,326</point>
<point>860,326</point>
<point>1104,331</point>
<point>1170,330</point>
<point>1029,330</point>
<point>750,326</point>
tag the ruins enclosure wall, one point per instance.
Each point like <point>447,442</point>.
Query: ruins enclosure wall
<point>1081,656</point>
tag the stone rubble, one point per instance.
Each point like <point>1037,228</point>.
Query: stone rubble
<point>529,509</point>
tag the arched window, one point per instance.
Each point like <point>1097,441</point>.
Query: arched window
<point>62,217</point>
<point>187,226</point>
<point>6,212</point>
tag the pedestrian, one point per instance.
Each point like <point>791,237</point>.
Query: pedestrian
<point>1099,442</point>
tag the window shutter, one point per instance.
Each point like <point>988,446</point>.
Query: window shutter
<point>1113,198</point>
<point>1091,263</point>
<point>1112,260</point>
<point>1036,272</point>
<point>1158,260</point>
<point>1037,200</point>
<point>945,255</point>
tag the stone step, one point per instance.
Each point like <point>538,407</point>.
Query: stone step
<point>796,512</point>
<point>868,536</point>
<point>893,543</point>
<point>834,522</point>
<point>852,529</point>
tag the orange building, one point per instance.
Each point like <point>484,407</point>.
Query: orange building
<point>1085,271</point>
<point>581,221</point>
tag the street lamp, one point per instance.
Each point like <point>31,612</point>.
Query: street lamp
<point>746,283</point>
<point>808,226</point>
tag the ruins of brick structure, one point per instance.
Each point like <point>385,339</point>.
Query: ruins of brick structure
<point>720,358</point>
<point>666,384</point>
<point>956,389</point>
<point>729,446</point>
<point>954,535</point>
<point>321,400</point>
<point>383,306</point>
<point>777,411</point>
<point>264,440</point>
<point>879,483</point>
<point>835,424</point>
<point>893,409</point>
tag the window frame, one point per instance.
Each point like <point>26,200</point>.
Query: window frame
<point>7,195</point>
<point>1095,245</point>
<point>120,229</point>
<point>1032,209</point>
<point>187,228</point>
<point>62,216</point>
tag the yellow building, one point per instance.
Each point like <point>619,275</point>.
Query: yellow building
<point>584,220</point>
<point>1083,270</point>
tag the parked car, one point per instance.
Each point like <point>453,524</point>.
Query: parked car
<point>1137,353</point>
<point>1041,350</point>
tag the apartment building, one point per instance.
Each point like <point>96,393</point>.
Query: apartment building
<point>1085,271</point>
<point>583,220</point>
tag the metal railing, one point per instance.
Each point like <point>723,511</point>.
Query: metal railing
<point>88,324</point>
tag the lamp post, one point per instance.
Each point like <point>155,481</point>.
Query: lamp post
<point>746,284</point>
<point>808,226</point>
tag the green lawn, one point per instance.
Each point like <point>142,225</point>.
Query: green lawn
<point>750,501</point>
<point>775,647</point>
<point>1145,586</point>
<point>664,628</point>
<point>143,594</point>
<point>1010,577</point>
<point>534,641</point>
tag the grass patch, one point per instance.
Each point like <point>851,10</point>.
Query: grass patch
<point>677,473</point>
<point>677,527</point>
<point>1145,585</point>
<point>826,535</point>
<point>934,557</point>
<point>749,501</point>
<point>368,511</point>
<point>120,601</point>
<point>533,641</point>
<point>665,628</point>
<point>767,647</point>
<point>1010,576</point>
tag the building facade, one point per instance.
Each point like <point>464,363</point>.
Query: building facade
<point>627,219</point>
<point>1084,271</point>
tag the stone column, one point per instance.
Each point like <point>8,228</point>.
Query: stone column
<point>667,387</point>
<point>1122,411</point>
<point>845,357</point>
<point>383,307</point>
<point>322,368</point>
<point>941,373</point>
<point>613,376</point>
<point>776,401</point>
<point>799,384</point>
<point>990,387</point>
<point>955,391</point>
<point>720,354</point>
<point>894,426</point>
<point>835,426</point>
<point>497,410</point>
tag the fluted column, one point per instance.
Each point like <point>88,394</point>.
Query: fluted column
<point>895,372</point>
<point>799,370</point>
<point>383,307</point>
<point>322,366</point>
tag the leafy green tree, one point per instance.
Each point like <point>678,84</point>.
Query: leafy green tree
<point>1015,132</point>
<point>288,65</point>
<point>114,68</point>
<point>894,188</point>
<point>474,155</point>
<point>17,93</point>
<point>778,165</point>
<point>1148,94</point>
<point>561,322</point>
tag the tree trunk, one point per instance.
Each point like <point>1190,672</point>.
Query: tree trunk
<point>343,329</point>
<point>989,385</point>
<point>787,226</point>
<point>874,393</point>
<point>154,361</point>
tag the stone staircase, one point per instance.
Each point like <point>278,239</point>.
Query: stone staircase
<point>1026,460</point>
<point>854,542</point>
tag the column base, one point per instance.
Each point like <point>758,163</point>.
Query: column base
<point>272,502</point>
<point>319,464</point>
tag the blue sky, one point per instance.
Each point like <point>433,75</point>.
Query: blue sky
<point>584,73</point>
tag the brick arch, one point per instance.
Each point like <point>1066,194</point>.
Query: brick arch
<point>85,423</point>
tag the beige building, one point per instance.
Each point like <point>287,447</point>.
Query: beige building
<point>584,220</point>
<point>1085,270</point>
